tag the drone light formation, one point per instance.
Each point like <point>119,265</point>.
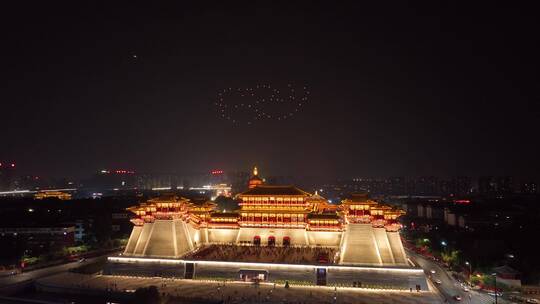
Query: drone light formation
<point>260,103</point>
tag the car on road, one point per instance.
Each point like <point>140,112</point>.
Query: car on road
<point>457,297</point>
<point>533,301</point>
<point>438,282</point>
<point>466,289</point>
<point>433,271</point>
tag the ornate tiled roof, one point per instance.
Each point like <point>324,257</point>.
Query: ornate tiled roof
<point>316,197</point>
<point>274,190</point>
<point>358,197</point>
<point>167,197</point>
<point>224,214</point>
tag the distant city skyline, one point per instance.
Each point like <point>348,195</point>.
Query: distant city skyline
<point>24,170</point>
<point>107,179</point>
<point>402,89</point>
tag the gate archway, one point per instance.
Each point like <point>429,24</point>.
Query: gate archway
<point>257,240</point>
<point>271,240</point>
<point>286,241</point>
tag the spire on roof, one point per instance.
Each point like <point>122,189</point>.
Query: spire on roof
<point>255,180</point>
<point>316,196</point>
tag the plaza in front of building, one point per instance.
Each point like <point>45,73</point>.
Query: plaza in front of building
<point>182,290</point>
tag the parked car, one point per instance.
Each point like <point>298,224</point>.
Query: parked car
<point>457,297</point>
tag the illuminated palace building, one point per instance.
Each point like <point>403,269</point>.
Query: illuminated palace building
<point>278,225</point>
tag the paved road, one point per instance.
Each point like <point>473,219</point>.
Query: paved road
<point>7,283</point>
<point>449,287</point>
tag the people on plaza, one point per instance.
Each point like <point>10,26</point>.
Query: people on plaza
<point>265,254</point>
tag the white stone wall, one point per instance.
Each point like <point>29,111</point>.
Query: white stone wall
<point>343,276</point>
<point>297,236</point>
<point>163,238</point>
<point>385,251</point>
<point>324,238</point>
<point>143,239</point>
<point>360,246</point>
<point>184,241</point>
<point>222,235</point>
<point>133,238</point>
<point>361,243</point>
<point>396,245</point>
<point>161,242</point>
<point>196,235</point>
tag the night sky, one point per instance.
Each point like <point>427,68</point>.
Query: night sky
<point>398,89</point>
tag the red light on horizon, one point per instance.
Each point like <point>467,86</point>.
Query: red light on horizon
<point>117,171</point>
<point>124,172</point>
<point>215,172</point>
<point>464,202</point>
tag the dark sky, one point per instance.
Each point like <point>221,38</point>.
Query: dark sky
<point>398,89</point>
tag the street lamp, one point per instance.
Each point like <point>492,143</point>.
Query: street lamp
<point>470,271</point>
<point>495,277</point>
<point>443,243</point>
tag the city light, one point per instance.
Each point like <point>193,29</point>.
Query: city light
<point>277,265</point>
<point>16,192</point>
<point>117,171</point>
<point>161,188</point>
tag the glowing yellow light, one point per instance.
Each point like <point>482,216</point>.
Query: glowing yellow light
<point>246,264</point>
